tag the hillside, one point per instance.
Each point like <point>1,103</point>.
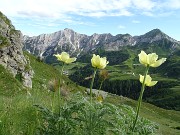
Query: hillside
<point>11,54</point>
<point>121,51</point>
<point>30,103</point>
<point>124,70</point>
<point>45,45</point>
<point>18,101</point>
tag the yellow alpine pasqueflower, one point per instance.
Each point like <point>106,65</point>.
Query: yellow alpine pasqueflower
<point>148,80</point>
<point>64,57</point>
<point>99,98</point>
<point>99,62</point>
<point>150,59</point>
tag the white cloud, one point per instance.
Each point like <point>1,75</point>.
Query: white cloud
<point>171,4</point>
<point>144,4</point>
<point>93,8</point>
<point>57,8</point>
<point>135,21</point>
<point>64,10</point>
<point>148,13</point>
<point>121,27</point>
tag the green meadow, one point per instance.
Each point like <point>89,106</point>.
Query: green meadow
<point>32,111</point>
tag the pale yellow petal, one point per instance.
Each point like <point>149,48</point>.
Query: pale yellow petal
<point>158,63</point>
<point>58,56</point>
<point>70,60</point>
<point>152,83</point>
<point>99,62</point>
<point>148,79</point>
<point>64,56</point>
<point>152,58</point>
<point>102,63</point>
<point>93,60</point>
<point>141,78</point>
<point>143,58</point>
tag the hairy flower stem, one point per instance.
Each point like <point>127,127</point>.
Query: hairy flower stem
<point>92,82</point>
<point>101,84</point>
<point>90,119</point>
<point>140,98</point>
<point>53,101</point>
<point>59,94</point>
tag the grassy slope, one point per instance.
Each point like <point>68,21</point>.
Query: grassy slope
<point>19,115</point>
<point>166,94</point>
<point>168,120</point>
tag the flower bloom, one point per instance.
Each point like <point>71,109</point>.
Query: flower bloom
<point>150,59</point>
<point>64,57</point>
<point>103,74</point>
<point>100,98</point>
<point>98,62</point>
<point>148,80</point>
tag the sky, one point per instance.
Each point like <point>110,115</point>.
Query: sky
<point>136,17</point>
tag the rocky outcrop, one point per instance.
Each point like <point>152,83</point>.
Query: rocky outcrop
<point>73,42</point>
<point>11,54</point>
<point>67,40</point>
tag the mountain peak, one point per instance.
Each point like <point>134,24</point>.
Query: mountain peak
<point>154,33</point>
<point>67,29</point>
<point>156,30</point>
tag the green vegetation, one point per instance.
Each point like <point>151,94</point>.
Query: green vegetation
<point>22,110</point>
<point>124,70</point>
<point>6,20</point>
<point>7,29</point>
<point>4,41</point>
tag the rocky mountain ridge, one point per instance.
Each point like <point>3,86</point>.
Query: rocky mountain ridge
<point>11,54</point>
<point>70,41</point>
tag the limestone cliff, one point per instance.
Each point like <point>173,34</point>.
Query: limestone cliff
<point>46,45</point>
<point>11,54</point>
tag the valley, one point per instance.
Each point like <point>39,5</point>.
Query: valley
<point>35,94</point>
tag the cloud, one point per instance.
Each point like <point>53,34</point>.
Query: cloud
<point>92,8</point>
<point>51,13</point>
<point>144,4</point>
<point>135,21</point>
<point>121,27</point>
<point>34,14</point>
<point>171,4</point>
<point>57,8</point>
<point>146,13</point>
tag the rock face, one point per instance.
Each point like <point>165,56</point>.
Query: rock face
<point>74,43</point>
<point>11,54</point>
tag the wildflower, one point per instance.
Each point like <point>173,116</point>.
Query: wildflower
<point>150,59</point>
<point>53,85</point>
<point>99,98</point>
<point>64,57</point>
<point>103,74</point>
<point>99,62</point>
<point>148,80</point>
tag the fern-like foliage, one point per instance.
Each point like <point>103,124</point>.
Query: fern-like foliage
<point>80,117</point>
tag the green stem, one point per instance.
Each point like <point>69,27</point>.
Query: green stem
<point>140,98</point>
<point>59,94</point>
<point>53,101</point>
<point>101,84</point>
<point>92,82</point>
